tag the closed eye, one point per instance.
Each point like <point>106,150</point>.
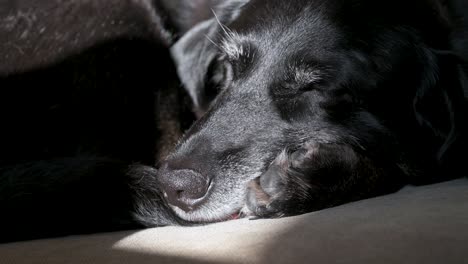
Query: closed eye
<point>218,77</point>
<point>301,80</point>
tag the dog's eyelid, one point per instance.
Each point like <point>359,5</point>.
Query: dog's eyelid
<point>220,73</point>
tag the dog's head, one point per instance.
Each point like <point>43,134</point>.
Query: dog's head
<point>269,76</point>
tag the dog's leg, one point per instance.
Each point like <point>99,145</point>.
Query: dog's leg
<point>77,195</point>
<point>315,177</point>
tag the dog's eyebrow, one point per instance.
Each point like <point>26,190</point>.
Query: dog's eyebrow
<point>236,51</point>
<point>305,75</point>
<point>235,46</point>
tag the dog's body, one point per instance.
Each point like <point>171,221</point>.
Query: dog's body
<point>311,104</point>
<point>89,101</point>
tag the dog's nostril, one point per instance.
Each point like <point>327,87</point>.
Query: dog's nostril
<point>179,193</point>
<point>185,189</point>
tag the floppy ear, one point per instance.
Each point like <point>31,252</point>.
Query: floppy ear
<point>440,104</point>
<point>182,15</point>
<point>193,54</point>
<point>197,49</point>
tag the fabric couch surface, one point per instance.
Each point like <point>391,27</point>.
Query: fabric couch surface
<point>426,224</point>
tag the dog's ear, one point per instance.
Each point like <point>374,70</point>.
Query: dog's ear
<point>195,52</point>
<point>181,15</point>
<point>440,104</point>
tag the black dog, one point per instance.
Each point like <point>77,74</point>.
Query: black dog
<point>327,101</point>
<point>89,101</point>
<point>311,104</point>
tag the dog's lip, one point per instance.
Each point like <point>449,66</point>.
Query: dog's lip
<point>237,214</point>
<point>229,217</point>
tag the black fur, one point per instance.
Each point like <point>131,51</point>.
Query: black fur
<point>325,101</point>
<point>89,101</point>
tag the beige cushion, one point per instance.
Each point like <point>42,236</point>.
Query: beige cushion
<point>416,225</point>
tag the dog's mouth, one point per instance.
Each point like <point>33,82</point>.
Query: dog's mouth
<point>235,216</point>
<point>243,212</point>
<point>230,217</point>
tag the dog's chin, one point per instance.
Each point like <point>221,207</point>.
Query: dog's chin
<point>205,216</point>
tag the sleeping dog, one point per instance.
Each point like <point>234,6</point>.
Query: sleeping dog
<point>302,105</point>
<point>308,104</point>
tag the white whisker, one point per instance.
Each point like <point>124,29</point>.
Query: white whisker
<point>224,28</point>
<point>213,42</point>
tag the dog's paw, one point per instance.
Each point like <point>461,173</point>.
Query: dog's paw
<point>284,188</point>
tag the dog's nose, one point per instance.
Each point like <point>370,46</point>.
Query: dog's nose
<point>185,188</point>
